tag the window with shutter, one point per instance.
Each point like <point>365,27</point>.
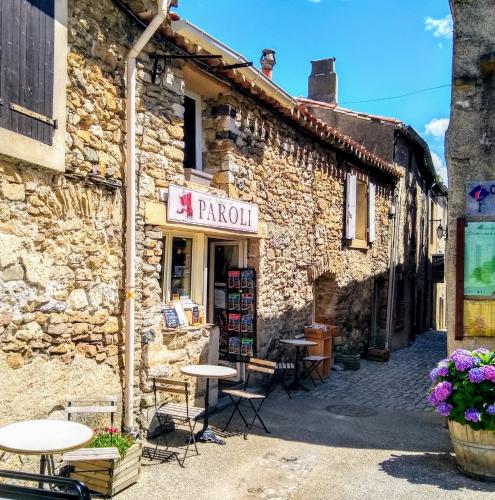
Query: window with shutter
<point>350,218</point>
<point>360,210</point>
<point>371,213</point>
<point>33,49</point>
<point>27,36</point>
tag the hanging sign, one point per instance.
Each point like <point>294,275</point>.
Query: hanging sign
<point>480,198</point>
<point>193,207</point>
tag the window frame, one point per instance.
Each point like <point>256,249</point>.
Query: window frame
<point>197,265</point>
<point>21,147</point>
<point>198,126</point>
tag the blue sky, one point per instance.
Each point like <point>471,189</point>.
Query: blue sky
<point>384,48</point>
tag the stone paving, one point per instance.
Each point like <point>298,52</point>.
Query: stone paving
<point>400,383</point>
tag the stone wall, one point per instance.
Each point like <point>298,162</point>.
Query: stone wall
<point>61,258</point>
<point>471,134</point>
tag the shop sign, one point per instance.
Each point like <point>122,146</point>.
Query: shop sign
<point>193,207</point>
<point>480,198</point>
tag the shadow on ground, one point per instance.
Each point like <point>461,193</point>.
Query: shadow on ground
<point>436,469</point>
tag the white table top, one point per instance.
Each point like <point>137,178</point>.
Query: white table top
<point>43,437</point>
<point>298,342</point>
<point>208,371</point>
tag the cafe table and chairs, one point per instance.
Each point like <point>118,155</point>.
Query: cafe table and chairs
<point>208,372</point>
<point>44,438</point>
<point>301,346</point>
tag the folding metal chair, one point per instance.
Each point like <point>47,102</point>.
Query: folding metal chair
<point>283,370</point>
<point>169,412</point>
<point>249,396</point>
<point>311,363</point>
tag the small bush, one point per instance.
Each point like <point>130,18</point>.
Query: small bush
<point>110,436</point>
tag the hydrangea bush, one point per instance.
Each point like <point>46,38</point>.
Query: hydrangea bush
<point>464,388</point>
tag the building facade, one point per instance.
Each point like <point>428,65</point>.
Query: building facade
<point>470,160</point>
<point>418,195</point>
<point>230,174</point>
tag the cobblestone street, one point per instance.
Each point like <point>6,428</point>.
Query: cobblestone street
<point>401,383</point>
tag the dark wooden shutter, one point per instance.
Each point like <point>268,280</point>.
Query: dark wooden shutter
<point>26,67</point>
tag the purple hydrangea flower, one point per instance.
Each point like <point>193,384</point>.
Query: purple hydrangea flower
<point>463,362</point>
<point>443,371</point>
<point>444,409</point>
<point>490,409</point>
<point>476,375</point>
<point>432,400</point>
<point>459,352</point>
<point>472,415</point>
<point>442,391</point>
<point>489,372</point>
<point>444,362</point>
<point>434,374</point>
<point>481,350</point>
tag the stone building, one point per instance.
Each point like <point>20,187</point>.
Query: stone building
<point>231,173</point>
<point>471,161</point>
<point>416,300</point>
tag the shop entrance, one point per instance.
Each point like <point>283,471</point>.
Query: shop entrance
<point>222,256</point>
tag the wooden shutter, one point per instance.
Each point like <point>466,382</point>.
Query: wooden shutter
<point>350,209</point>
<point>371,213</point>
<point>26,67</point>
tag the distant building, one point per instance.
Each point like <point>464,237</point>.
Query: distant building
<point>417,304</point>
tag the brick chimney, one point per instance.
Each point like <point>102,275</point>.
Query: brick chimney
<point>323,81</point>
<point>268,61</point>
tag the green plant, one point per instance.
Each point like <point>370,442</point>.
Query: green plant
<point>110,436</point>
<point>464,388</point>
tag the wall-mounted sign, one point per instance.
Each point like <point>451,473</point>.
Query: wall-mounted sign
<point>438,268</point>
<point>480,198</point>
<point>201,209</point>
<point>479,260</point>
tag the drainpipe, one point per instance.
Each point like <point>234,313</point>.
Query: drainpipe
<point>130,248</point>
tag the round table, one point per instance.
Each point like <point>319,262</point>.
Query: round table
<point>208,372</point>
<point>298,344</point>
<point>44,438</point>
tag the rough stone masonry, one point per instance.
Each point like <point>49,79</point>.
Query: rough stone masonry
<point>61,257</point>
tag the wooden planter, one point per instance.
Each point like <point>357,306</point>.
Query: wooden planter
<point>108,477</point>
<point>474,450</point>
<point>350,361</point>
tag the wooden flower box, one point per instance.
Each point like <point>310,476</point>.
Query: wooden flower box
<point>108,477</point>
<point>350,361</point>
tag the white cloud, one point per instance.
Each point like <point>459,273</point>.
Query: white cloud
<point>441,28</point>
<point>437,127</point>
<point>440,167</point>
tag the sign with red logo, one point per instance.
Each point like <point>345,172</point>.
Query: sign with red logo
<point>193,207</point>
<point>480,198</point>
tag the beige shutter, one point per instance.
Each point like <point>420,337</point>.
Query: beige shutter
<point>350,209</point>
<point>371,213</point>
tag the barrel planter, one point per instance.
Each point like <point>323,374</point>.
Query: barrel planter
<point>474,450</point>
<point>108,477</point>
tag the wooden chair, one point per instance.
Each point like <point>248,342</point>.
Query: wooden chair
<point>176,412</point>
<point>91,405</point>
<point>248,395</point>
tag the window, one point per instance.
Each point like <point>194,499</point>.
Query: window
<point>192,131</point>
<point>33,48</point>
<point>360,211</point>
<point>181,268</point>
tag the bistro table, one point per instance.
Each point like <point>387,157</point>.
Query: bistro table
<point>208,372</point>
<point>298,343</point>
<point>44,438</point>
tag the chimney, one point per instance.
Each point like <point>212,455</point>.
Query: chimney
<point>323,82</point>
<point>267,62</point>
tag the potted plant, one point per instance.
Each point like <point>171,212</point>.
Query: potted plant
<point>108,477</point>
<point>464,391</point>
<point>351,359</point>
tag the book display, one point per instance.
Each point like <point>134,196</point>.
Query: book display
<point>237,319</point>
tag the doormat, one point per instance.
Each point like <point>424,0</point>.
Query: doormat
<point>351,410</point>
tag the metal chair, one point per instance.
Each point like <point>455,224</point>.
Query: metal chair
<point>238,396</point>
<point>311,363</point>
<point>176,412</point>
<point>58,487</point>
<point>91,405</point>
